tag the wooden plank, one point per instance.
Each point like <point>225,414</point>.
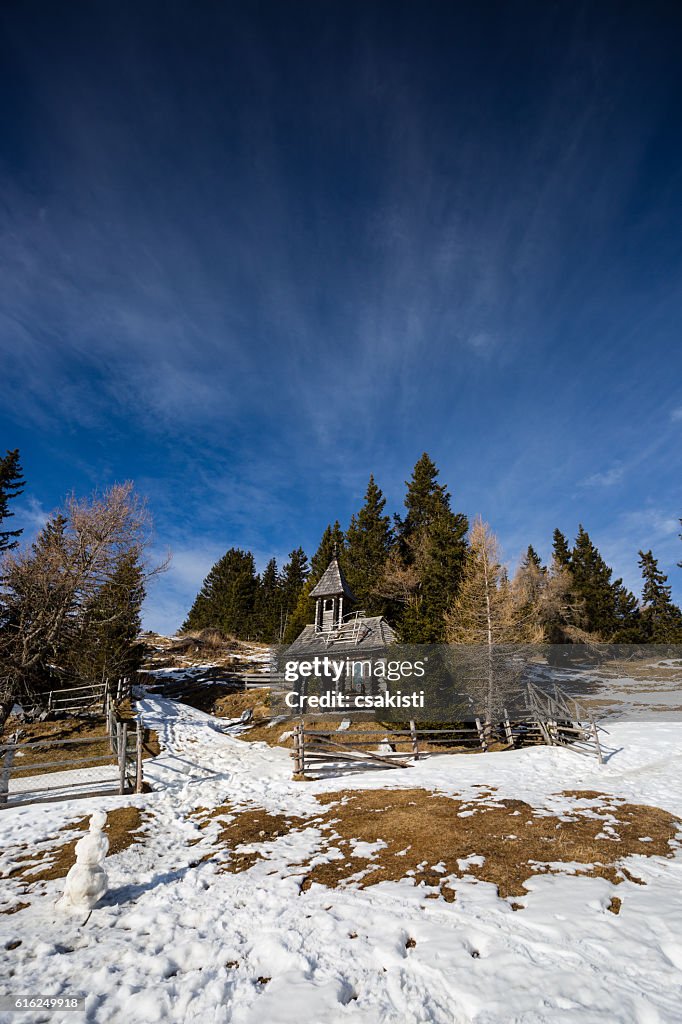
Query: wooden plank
<point>34,744</point>
<point>366,755</point>
<point>330,751</point>
<point>331,758</point>
<point>38,768</point>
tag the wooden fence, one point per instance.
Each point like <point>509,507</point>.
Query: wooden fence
<point>87,699</point>
<point>123,738</point>
<point>552,719</point>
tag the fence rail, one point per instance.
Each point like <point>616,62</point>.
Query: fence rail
<point>123,738</point>
<point>88,698</point>
<point>551,719</point>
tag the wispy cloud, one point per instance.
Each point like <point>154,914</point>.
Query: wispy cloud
<point>606,478</point>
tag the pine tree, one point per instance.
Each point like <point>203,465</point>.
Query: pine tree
<point>431,539</point>
<point>561,550</point>
<point>661,619</point>
<point>532,558</point>
<point>592,582</point>
<point>332,542</point>
<point>368,543</point>
<point>11,486</point>
<point>227,598</point>
<point>268,604</point>
<point>107,646</point>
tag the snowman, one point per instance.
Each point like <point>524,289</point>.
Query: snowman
<point>87,882</point>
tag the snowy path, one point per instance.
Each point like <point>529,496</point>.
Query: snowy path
<point>174,940</point>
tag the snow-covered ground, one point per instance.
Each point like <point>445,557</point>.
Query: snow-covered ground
<point>177,940</point>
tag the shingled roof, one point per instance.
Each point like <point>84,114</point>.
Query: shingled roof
<point>333,583</point>
<point>368,633</point>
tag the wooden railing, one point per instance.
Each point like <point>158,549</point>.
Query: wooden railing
<point>553,719</point>
<point>123,738</point>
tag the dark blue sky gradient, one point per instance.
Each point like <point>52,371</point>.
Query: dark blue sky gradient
<point>253,252</point>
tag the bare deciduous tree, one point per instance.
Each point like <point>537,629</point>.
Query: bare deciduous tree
<point>487,618</point>
<point>50,587</point>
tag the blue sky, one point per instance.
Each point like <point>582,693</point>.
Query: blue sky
<point>253,252</point>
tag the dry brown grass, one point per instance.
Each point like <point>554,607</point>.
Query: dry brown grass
<point>244,828</point>
<point>197,647</point>
<point>232,705</point>
<point>14,908</point>
<point>124,827</point>
<point>426,836</point>
<point>422,830</point>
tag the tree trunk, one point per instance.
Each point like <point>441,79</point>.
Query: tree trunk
<point>5,710</point>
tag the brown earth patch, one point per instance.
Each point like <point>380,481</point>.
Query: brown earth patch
<point>244,828</point>
<point>124,827</point>
<point>430,837</point>
<point>14,908</point>
<point>199,647</point>
<point>426,837</point>
<point>232,705</point>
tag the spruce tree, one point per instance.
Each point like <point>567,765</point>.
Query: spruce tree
<point>294,576</point>
<point>368,543</point>
<point>593,586</point>
<point>11,486</point>
<point>431,540</point>
<point>661,619</point>
<point>332,542</point>
<point>561,550</point>
<point>532,558</point>
<point>628,629</point>
<point>108,646</point>
<point>227,598</point>
<point>267,611</point>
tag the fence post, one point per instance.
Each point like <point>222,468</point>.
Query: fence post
<point>113,731</point>
<point>508,729</point>
<point>481,736</point>
<point>415,741</point>
<point>595,733</point>
<point>122,741</point>
<point>297,751</point>
<point>4,780</point>
<point>138,758</point>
